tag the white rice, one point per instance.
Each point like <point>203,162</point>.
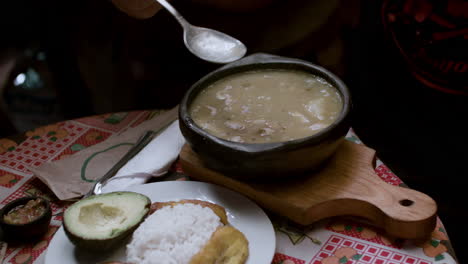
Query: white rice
<point>172,235</point>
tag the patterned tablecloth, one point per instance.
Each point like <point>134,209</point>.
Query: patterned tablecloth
<point>336,240</point>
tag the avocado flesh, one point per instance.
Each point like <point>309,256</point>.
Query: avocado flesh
<point>100,222</point>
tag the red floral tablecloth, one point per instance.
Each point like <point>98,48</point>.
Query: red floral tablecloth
<point>332,241</point>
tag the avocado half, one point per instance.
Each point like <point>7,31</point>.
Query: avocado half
<point>101,222</point>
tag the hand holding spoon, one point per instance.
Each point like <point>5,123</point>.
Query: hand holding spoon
<point>207,44</point>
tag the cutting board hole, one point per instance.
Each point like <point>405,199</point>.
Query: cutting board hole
<point>406,202</point>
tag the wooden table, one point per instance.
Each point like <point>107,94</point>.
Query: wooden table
<point>334,240</point>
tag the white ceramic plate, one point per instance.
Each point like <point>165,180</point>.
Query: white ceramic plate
<point>242,213</point>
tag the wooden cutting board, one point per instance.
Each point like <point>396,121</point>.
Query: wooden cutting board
<point>347,185</point>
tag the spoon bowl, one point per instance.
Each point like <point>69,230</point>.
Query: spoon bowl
<point>208,44</point>
<point>212,45</point>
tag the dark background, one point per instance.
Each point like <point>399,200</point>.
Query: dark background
<point>418,132</point>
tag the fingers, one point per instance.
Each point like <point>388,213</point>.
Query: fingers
<point>140,9</point>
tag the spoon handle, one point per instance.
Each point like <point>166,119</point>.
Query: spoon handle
<point>141,143</point>
<point>174,12</point>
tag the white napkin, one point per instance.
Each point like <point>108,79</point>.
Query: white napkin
<point>153,160</point>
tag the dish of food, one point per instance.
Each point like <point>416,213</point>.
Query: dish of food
<point>277,117</point>
<point>268,105</point>
<point>25,213</point>
<point>25,219</point>
<point>242,214</point>
<point>204,235</point>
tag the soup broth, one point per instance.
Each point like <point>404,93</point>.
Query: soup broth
<point>267,106</point>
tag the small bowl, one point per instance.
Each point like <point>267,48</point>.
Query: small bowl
<point>249,161</point>
<point>28,231</point>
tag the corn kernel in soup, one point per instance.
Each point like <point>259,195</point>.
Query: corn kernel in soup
<point>266,106</point>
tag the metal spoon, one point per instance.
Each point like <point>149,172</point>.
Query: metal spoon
<point>139,145</point>
<point>208,44</point>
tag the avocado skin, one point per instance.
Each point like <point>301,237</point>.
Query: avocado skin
<point>101,245</point>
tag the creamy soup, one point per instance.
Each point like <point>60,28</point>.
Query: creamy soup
<point>266,106</point>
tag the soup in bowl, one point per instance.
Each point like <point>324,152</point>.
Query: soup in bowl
<point>265,116</point>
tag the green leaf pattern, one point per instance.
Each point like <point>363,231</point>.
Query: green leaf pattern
<point>294,234</point>
<point>77,147</point>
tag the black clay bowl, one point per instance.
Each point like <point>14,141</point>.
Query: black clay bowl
<point>29,231</point>
<point>266,160</point>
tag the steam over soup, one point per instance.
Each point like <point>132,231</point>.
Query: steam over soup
<point>266,106</point>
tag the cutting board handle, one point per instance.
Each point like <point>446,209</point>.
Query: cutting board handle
<point>348,185</point>
<point>403,212</point>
